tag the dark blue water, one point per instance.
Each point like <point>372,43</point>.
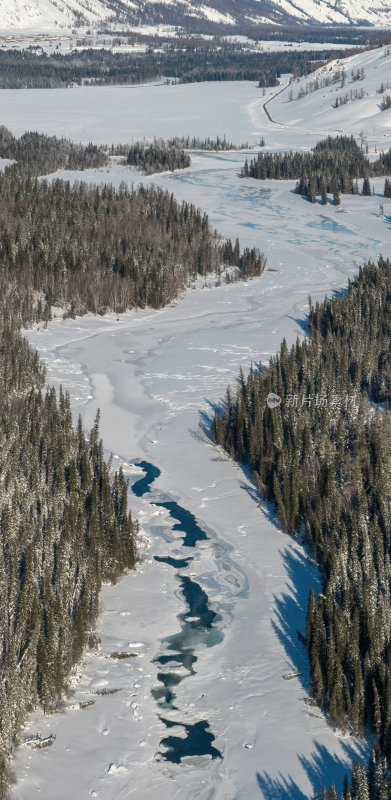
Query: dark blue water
<point>187,524</point>
<point>151,473</point>
<point>199,614</point>
<point>178,563</point>
<point>198,625</point>
<point>198,741</point>
<point>186,658</point>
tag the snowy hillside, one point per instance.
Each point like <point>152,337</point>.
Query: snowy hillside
<point>45,14</point>
<point>341,12</point>
<point>52,14</point>
<point>346,95</point>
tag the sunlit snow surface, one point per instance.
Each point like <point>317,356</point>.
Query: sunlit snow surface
<point>122,113</point>
<point>155,376</point>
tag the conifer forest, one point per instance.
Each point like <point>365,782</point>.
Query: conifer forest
<point>228,63</point>
<point>92,248</point>
<point>323,465</point>
<point>195,408</point>
<point>64,517</point>
<point>65,528</point>
<point>333,167</point>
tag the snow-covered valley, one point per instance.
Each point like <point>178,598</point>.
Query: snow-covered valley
<point>212,618</point>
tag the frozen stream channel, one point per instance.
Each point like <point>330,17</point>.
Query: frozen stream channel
<point>150,373</point>
<point>205,709</point>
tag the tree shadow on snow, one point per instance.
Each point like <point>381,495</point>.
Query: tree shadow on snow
<point>206,417</point>
<point>279,788</point>
<point>289,625</point>
<point>302,323</point>
<point>329,767</point>
<point>291,609</point>
<point>321,766</point>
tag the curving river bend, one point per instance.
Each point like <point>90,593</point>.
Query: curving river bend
<point>214,609</point>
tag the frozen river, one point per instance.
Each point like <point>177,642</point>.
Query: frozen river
<point>209,707</point>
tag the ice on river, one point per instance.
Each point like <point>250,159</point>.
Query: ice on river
<point>155,376</point>
<point>151,373</point>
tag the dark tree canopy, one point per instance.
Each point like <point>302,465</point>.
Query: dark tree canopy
<point>334,165</point>
<point>202,61</point>
<point>323,456</point>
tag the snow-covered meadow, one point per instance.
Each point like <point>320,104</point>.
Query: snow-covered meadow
<point>155,376</point>
<point>125,113</point>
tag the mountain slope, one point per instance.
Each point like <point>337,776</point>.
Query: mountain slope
<point>341,12</point>
<point>228,12</point>
<point>350,103</point>
<point>47,14</point>
<point>54,14</point>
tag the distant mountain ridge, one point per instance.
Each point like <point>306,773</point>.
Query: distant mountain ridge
<point>57,14</point>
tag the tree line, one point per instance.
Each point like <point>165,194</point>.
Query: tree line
<point>94,248</point>
<point>191,63</point>
<point>208,144</point>
<point>334,165</point>
<point>65,527</point>
<point>323,457</point>
<point>370,783</point>
<point>38,154</point>
<point>159,156</point>
<point>170,154</point>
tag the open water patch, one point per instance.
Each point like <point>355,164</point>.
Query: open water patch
<point>199,625</point>
<point>199,614</point>
<point>177,563</point>
<point>186,658</point>
<point>142,486</point>
<point>198,741</point>
<point>186,523</point>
